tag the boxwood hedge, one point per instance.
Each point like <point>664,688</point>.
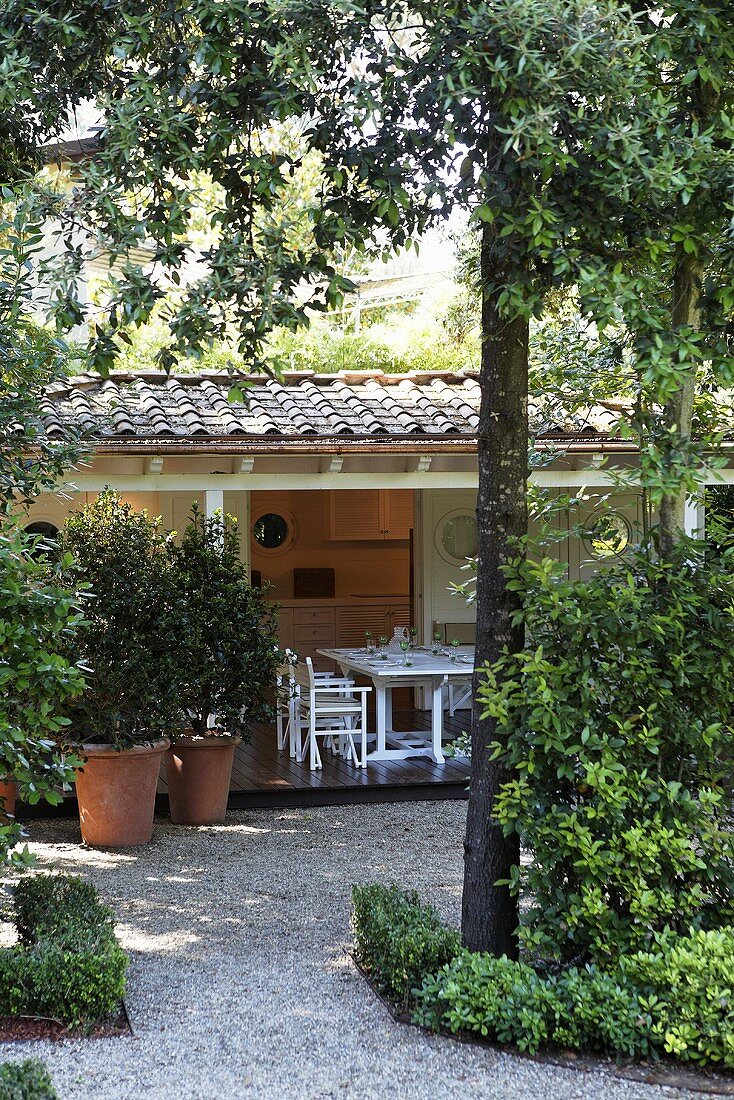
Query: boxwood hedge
<point>67,965</point>
<point>28,1080</point>
<point>675,998</point>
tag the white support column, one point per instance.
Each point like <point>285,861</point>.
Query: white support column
<point>213,501</point>
<point>695,517</point>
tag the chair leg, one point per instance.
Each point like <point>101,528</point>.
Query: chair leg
<point>315,756</point>
<point>362,763</point>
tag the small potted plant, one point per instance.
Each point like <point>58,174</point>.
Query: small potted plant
<point>227,666</point>
<point>128,644</point>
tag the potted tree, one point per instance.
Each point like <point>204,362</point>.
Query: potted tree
<point>227,665</point>
<point>128,643</point>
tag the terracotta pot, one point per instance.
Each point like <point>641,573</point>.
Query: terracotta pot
<point>116,794</point>
<point>8,790</point>
<point>198,770</point>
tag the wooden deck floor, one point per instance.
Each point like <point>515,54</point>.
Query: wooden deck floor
<point>262,776</point>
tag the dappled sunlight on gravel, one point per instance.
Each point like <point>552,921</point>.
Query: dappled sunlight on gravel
<point>240,982</point>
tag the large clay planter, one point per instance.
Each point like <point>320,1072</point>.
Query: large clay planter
<point>198,770</point>
<point>116,794</point>
<point>8,790</point>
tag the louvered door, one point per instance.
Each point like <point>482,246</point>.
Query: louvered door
<point>397,514</point>
<point>355,514</point>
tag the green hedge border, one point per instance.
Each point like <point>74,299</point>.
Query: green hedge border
<point>674,1001</point>
<point>27,1080</point>
<point>68,965</point>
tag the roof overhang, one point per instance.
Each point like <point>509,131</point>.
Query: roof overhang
<point>312,445</point>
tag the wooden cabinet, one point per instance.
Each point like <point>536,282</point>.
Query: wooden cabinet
<point>397,513</point>
<point>339,624</point>
<point>353,621</point>
<point>370,514</point>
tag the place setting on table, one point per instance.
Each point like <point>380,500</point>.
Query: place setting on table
<point>401,662</point>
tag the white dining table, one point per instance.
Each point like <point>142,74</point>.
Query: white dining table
<point>427,671</point>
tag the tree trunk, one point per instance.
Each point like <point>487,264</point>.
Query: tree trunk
<point>490,912</point>
<point>678,410</point>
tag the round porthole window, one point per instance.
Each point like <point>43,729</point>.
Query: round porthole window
<point>42,528</point>
<point>273,531</point>
<point>456,537</point>
<point>608,536</point>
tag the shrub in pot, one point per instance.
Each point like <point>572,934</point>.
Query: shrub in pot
<point>128,642</point>
<point>227,663</point>
<point>39,614</point>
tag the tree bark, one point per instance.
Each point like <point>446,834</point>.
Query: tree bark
<point>678,410</point>
<point>490,912</point>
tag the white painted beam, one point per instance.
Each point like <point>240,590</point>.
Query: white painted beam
<point>331,464</point>
<point>285,479</point>
<point>365,479</point>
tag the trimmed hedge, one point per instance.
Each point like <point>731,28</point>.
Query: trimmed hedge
<point>509,1002</point>
<point>68,965</point>
<point>397,940</point>
<point>677,998</point>
<point>28,1080</point>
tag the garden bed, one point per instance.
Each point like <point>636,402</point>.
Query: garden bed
<point>648,1073</point>
<point>661,1016</point>
<point>18,1029</point>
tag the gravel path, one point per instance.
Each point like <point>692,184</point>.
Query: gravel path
<point>240,985</point>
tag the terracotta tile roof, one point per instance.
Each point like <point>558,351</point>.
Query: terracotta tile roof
<point>359,405</point>
<point>300,404</point>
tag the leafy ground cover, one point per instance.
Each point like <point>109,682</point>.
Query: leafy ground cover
<point>674,999</point>
<point>28,1080</point>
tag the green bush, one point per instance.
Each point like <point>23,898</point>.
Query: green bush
<point>677,998</point>
<point>38,617</point>
<point>509,1002</point>
<point>615,723</point>
<point>689,984</point>
<point>398,940</point>
<point>68,965</point>
<point>46,906</point>
<point>499,999</point>
<point>28,1080</point>
<point>132,628</point>
<point>227,654</point>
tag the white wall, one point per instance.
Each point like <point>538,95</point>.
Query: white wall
<point>433,574</point>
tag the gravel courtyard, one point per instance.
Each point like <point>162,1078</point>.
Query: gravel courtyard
<point>240,985</point>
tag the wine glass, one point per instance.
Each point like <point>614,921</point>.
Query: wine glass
<point>413,634</point>
<point>369,641</point>
<point>407,655</point>
<point>454,648</point>
<point>436,647</point>
<point>383,646</point>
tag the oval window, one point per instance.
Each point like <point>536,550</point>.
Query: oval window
<point>457,537</point>
<point>608,536</point>
<point>271,531</point>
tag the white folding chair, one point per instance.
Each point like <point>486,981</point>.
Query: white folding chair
<point>288,723</point>
<point>335,709</point>
<point>285,685</point>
